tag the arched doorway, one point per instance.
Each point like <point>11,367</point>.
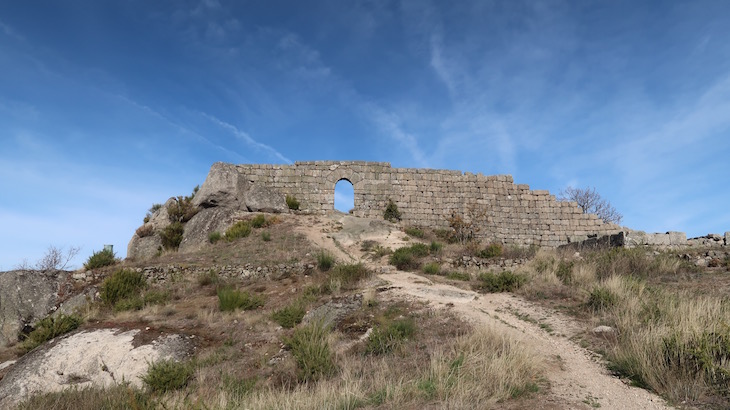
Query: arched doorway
<point>344,196</point>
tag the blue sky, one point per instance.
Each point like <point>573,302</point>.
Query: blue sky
<point>109,107</point>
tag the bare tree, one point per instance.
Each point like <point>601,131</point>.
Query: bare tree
<point>54,259</point>
<point>590,202</point>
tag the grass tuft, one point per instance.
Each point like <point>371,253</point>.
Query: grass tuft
<point>230,299</point>
<point>505,281</point>
<point>311,350</point>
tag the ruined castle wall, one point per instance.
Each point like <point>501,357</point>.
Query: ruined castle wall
<point>506,212</point>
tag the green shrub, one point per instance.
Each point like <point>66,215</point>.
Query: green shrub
<point>168,375</point>
<point>230,299</point>
<point>258,221</point>
<point>459,276</point>
<point>182,210</point>
<point>432,268</point>
<point>325,261</point>
<point>391,213</point>
<point>100,259</point>
<point>494,250</point>
<point>240,229</point>
<point>420,250</point>
<point>385,338</point>
<point>48,328</point>
<point>435,247</point>
<point>265,236</point>
<point>122,284</point>
<point>403,259</point>
<point>310,348</point>
<point>414,232</point>
<point>172,235</point>
<point>289,316</point>
<point>505,281</point>
<point>292,203</point>
<point>214,237</point>
<point>601,298</point>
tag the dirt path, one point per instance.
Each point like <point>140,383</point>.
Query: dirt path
<point>577,377</point>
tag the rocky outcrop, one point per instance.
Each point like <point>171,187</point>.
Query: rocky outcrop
<point>26,297</point>
<point>221,200</point>
<point>202,224</point>
<point>100,357</point>
<point>224,187</point>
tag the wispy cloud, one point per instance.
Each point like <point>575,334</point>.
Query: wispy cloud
<point>245,137</point>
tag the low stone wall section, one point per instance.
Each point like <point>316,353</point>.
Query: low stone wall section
<point>508,213</point>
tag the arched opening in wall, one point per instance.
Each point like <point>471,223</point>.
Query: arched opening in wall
<point>344,196</point>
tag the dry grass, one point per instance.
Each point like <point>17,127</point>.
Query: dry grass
<point>674,340</point>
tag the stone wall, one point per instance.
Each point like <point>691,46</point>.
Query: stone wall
<point>508,213</point>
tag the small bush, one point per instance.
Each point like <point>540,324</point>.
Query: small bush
<point>459,276</point>
<point>435,247</point>
<point>168,375</point>
<point>505,281</point>
<point>100,259</point>
<point>231,299</point>
<point>705,355</point>
<point>391,213</point>
<point>292,203</point>
<point>145,230</point>
<point>420,250</point>
<point>564,272</point>
<point>494,250</point>
<point>432,268</point>
<point>172,235</point>
<point>214,237</point>
<point>325,261</point>
<point>289,316</point>
<point>265,236</point>
<point>258,221</point>
<point>208,278</point>
<point>122,284</point>
<point>310,348</point>
<point>240,229</point>
<point>48,328</point>
<point>182,210</point>
<point>601,299</point>
<point>385,339</point>
<point>403,259</point>
<point>414,232</point>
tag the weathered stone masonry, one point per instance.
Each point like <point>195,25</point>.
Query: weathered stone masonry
<point>425,197</point>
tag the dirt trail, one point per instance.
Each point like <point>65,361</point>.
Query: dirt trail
<point>578,378</point>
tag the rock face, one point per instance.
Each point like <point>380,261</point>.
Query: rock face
<point>25,298</point>
<point>202,224</point>
<point>224,187</point>
<point>223,197</point>
<point>265,199</point>
<point>97,357</point>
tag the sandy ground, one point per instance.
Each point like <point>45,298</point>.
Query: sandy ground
<point>578,378</point>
